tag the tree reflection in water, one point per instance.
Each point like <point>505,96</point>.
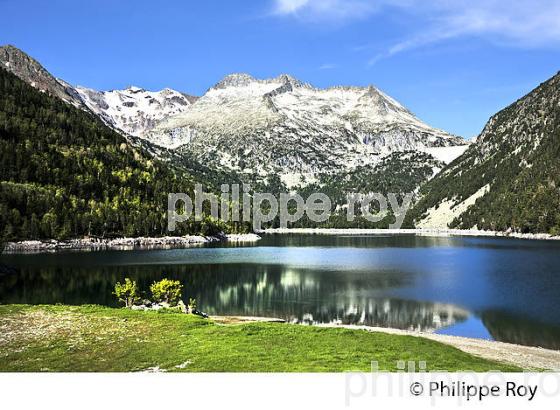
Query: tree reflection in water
<point>297,295</point>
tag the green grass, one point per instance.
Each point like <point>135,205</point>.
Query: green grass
<point>94,338</point>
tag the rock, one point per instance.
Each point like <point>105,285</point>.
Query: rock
<point>199,313</point>
<point>249,237</point>
<point>183,365</point>
<point>165,242</point>
<point>181,305</point>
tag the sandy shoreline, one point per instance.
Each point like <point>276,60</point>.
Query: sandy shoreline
<point>526,357</point>
<point>93,244</point>
<point>418,232</point>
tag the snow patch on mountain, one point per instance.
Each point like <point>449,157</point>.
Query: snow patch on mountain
<point>447,154</point>
<point>439,217</point>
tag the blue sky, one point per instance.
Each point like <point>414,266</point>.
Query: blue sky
<point>453,63</point>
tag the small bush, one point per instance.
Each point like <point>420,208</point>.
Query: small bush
<point>127,292</point>
<point>166,290</point>
<point>169,311</point>
<point>192,304</point>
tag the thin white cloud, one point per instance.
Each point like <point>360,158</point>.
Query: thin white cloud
<point>520,23</point>
<point>327,66</point>
<point>431,36</point>
<point>289,6</point>
<point>320,10</point>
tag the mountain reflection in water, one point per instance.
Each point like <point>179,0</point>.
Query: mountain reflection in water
<point>298,296</point>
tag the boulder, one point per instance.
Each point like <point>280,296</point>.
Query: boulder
<point>181,305</point>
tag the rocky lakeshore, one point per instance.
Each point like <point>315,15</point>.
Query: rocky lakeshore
<point>94,244</point>
<point>420,232</point>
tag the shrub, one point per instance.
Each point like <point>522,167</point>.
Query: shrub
<point>211,226</point>
<point>166,290</point>
<point>127,292</point>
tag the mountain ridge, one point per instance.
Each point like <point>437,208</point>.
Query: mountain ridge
<point>283,125</point>
<point>33,73</point>
<point>107,105</point>
<point>134,110</point>
<point>271,89</point>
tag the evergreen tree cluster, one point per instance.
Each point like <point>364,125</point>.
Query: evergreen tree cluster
<point>64,174</point>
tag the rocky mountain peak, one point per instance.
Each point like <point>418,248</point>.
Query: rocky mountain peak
<point>238,80</point>
<point>133,89</point>
<point>385,104</point>
<point>283,126</point>
<point>234,80</point>
<point>288,79</point>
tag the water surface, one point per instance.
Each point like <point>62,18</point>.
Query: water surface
<point>492,288</point>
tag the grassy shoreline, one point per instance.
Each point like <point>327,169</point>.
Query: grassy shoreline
<point>95,338</point>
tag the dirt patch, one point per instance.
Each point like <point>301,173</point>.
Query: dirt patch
<point>235,320</point>
<point>20,329</point>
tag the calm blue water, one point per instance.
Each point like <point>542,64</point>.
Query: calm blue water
<point>503,289</point>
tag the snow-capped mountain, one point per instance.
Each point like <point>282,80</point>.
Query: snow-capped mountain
<point>134,110</point>
<point>282,125</point>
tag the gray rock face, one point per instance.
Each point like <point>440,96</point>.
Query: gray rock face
<point>30,71</point>
<point>284,126</point>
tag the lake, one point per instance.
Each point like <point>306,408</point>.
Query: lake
<point>491,288</point>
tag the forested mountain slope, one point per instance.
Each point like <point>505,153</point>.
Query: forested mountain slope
<point>509,179</point>
<point>64,174</point>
